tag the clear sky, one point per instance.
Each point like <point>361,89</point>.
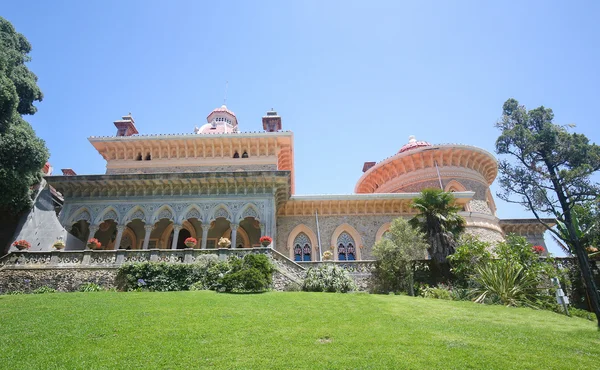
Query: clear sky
<point>351,79</point>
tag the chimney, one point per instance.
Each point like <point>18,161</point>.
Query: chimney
<point>368,165</point>
<point>126,126</point>
<point>271,122</point>
<point>68,172</point>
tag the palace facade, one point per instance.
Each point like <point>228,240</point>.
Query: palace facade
<point>158,190</point>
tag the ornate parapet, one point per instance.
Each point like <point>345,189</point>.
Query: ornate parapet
<point>531,228</point>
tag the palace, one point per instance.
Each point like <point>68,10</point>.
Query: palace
<point>158,190</point>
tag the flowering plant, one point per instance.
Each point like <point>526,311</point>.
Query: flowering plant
<point>328,255</point>
<point>266,240</point>
<point>93,243</point>
<point>538,249</point>
<point>224,243</point>
<point>22,244</point>
<point>190,242</point>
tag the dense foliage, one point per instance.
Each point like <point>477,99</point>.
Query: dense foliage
<point>394,256</point>
<point>328,278</point>
<point>470,253</point>
<point>438,219</point>
<point>253,273</point>
<point>551,174</point>
<point>22,154</point>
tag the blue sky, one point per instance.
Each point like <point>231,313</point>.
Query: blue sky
<point>351,79</point>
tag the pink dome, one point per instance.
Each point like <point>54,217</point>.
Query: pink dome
<point>223,108</point>
<point>413,144</point>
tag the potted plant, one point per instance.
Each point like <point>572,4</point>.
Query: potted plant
<point>327,256</point>
<point>22,244</point>
<point>266,241</point>
<point>93,243</point>
<point>59,244</point>
<point>538,249</point>
<point>190,242</point>
<point>224,243</point>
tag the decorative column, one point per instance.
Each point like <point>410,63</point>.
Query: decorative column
<point>234,228</point>
<point>120,229</point>
<point>262,229</point>
<point>93,229</point>
<point>148,229</point>
<point>204,235</point>
<point>176,229</point>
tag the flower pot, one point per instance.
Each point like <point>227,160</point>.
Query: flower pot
<point>190,245</point>
<point>266,244</point>
<point>93,246</point>
<point>21,247</point>
<point>59,246</point>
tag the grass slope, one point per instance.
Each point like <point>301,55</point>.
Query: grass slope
<point>284,330</point>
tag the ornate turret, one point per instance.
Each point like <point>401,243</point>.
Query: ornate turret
<point>271,122</point>
<point>126,126</point>
<point>219,121</point>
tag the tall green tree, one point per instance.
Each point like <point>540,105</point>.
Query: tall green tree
<point>22,154</point>
<point>439,220</point>
<point>549,174</point>
<point>395,255</point>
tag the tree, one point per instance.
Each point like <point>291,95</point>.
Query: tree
<point>438,219</point>
<point>394,256</point>
<point>22,154</point>
<point>550,175</point>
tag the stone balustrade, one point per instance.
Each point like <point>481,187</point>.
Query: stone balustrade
<point>114,259</point>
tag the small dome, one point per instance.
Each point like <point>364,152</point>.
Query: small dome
<point>413,144</point>
<point>223,108</point>
<point>216,129</point>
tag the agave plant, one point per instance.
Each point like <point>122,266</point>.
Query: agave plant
<point>509,283</point>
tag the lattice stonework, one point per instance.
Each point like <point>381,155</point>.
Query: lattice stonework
<point>165,213</point>
<point>138,215</point>
<point>110,215</point>
<point>250,212</point>
<point>346,247</point>
<point>193,213</point>
<point>222,212</point>
<point>302,248</point>
<point>84,215</point>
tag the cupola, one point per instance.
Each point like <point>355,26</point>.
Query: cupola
<point>219,121</point>
<point>413,144</point>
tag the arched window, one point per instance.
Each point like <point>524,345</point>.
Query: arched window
<point>139,157</point>
<point>245,154</point>
<point>302,248</point>
<point>346,247</point>
<point>236,155</point>
<point>148,157</point>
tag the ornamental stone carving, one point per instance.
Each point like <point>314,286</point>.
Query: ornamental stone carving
<point>193,213</point>
<point>139,215</point>
<point>221,212</point>
<point>250,212</point>
<point>165,213</point>
<point>110,215</point>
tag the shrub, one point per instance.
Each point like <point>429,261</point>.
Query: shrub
<point>439,292</point>
<point>293,287</point>
<point>245,281</point>
<point>328,278</point>
<point>15,292</point>
<point>470,253</point>
<point>507,283</point>
<point>44,289</point>
<point>576,312</point>
<point>90,287</point>
<point>395,255</point>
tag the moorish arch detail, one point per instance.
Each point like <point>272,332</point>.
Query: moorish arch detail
<point>346,247</point>
<point>302,248</point>
<point>109,213</point>
<point>164,211</point>
<point>249,210</point>
<point>454,186</point>
<point>350,236</point>
<point>382,230</point>
<point>136,213</point>
<point>312,237</point>
<point>221,211</point>
<point>81,214</point>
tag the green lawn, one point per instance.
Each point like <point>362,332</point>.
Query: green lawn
<point>284,330</point>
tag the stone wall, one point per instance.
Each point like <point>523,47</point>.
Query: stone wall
<point>64,280</point>
<point>183,169</point>
<point>366,226</point>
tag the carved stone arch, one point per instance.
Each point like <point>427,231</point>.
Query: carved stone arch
<point>241,235</point>
<point>192,211</point>
<point>454,186</point>
<point>311,236</point>
<point>136,213</point>
<point>220,210</point>
<point>248,210</point>
<point>82,213</point>
<point>164,211</point>
<point>353,233</point>
<point>382,230</point>
<point>108,213</point>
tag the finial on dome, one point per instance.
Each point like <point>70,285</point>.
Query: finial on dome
<point>413,144</point>
<point>412,139</point>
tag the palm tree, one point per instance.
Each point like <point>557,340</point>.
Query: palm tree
<point>438,219</point>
